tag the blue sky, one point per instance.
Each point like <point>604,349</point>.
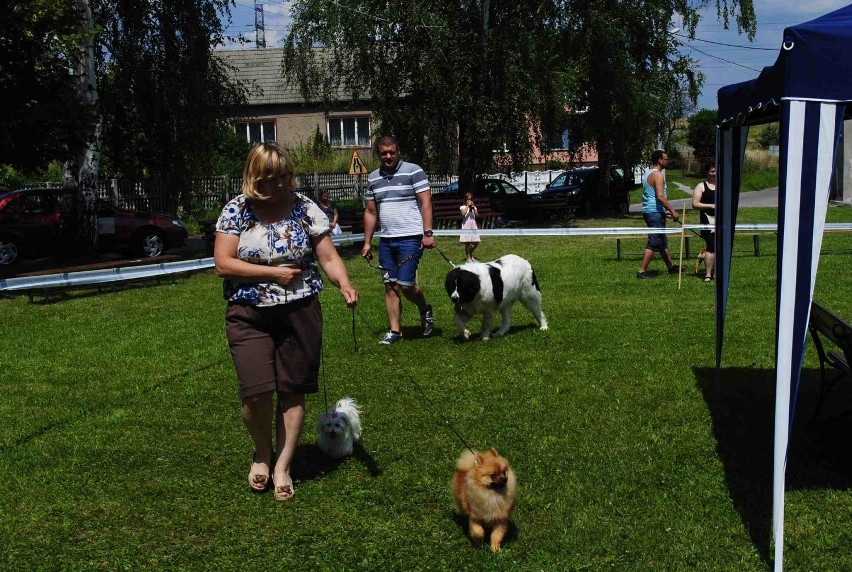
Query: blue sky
<point>739,60</point>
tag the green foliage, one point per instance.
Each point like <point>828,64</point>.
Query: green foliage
<point>317,156</point>
<point>769,135</point>
<point>468,85</point>
<point>701,133</point>
<point>627,459</point>
<point>13,178</point>
<point>229,152</point>
<point>455,80</point>
<point>165,95</point>
<point>42,115</point>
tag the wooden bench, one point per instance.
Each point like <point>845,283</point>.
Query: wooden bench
<point>755,241</point>
<point>825,325</point>
<point>644,238</point>
<point>446,214</point>
<point>351,221</point>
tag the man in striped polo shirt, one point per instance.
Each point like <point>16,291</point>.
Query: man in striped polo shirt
<point>398,194</point>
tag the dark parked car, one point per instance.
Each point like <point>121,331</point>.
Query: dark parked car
<point>30,222</point>
<point>503,196</point>
<point>581,185</point>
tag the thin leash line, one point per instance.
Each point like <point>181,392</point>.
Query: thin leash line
<point>324,377</point>
<point>444,255</point>
<point>354,335</point>
<point>420,390</point>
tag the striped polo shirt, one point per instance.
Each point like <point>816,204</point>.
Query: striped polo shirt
<point>395,196</point>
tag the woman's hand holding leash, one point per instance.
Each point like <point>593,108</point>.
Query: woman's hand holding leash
<point>350,295</point>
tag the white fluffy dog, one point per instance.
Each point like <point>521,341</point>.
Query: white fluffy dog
<point>483,288</point>
<point>338,429</point>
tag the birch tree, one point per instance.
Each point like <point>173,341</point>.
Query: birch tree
<point>80,168</point>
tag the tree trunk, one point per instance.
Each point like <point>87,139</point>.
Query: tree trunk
<point>80,169</point>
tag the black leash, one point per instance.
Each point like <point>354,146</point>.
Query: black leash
<point>698,234</point>
<point>419,388</point>
<point>324,377</point>
<point>369,259</point>
<point>450,262</point>
<point>354,336</point>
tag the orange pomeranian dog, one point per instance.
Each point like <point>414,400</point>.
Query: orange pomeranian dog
<point>485,490</point>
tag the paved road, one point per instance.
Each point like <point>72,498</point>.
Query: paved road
<point>764,198</point>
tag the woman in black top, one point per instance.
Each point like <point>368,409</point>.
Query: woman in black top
<point>704,199</point>
<point>330,210</point>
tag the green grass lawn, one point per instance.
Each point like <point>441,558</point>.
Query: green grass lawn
<point>121,445</point>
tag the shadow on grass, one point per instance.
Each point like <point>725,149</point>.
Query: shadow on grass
<point>477,330</point>
<point>312,463</point>
<point>462,522</point>
<point>118,401</point>
<point>742,407</point>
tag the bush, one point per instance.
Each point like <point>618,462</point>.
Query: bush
<point>769,136</point>
<point>317,156</point>
<point>15,179</point>
<point>701,133</point>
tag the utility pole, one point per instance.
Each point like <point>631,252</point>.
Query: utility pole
<point>259,32</point>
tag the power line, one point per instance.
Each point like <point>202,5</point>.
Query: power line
<point>718,58</point>
<point>729,45</point>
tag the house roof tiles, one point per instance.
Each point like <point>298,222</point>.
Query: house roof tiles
<point>261,72</point>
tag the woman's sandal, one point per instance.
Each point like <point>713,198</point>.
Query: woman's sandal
<point>708,279</point>
<point>258,482</point>
<point>284,492</point>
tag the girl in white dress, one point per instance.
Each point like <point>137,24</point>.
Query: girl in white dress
<point>470,240</point>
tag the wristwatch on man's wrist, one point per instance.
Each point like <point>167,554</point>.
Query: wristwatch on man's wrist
<point>428,233</point>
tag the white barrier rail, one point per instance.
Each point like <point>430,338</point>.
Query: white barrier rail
<point>153,271</point>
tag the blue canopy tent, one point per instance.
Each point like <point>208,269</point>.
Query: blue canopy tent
<point>809,91</point>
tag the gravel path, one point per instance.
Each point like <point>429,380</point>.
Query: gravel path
<point>764,198</point>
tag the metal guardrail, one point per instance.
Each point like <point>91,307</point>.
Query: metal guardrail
<point>70,280</point>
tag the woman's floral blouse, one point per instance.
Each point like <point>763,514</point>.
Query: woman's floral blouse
<point>283,243</point>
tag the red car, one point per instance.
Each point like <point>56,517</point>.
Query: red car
<point>30,222</point>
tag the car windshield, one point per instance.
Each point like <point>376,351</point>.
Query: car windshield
<point>571,178</point>
<point>508,188</point>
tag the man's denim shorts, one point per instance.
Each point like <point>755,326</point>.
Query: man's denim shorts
<point>394,250</point>
<point>656,242</point>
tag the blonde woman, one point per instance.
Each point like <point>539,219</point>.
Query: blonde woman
<point>270,244</point>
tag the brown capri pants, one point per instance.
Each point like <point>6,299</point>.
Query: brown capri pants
<point>275,348</point>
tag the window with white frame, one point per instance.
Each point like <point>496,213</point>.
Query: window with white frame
<point>349,131</point>
<point>256,131</point>
<point>558,140</point>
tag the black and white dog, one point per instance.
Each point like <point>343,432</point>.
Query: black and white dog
<point>483,288</point>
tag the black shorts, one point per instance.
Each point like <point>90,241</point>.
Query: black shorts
<point>709,240</point>
<point>275,348</point>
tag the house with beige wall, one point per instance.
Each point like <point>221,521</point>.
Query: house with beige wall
<point>277,111</point>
